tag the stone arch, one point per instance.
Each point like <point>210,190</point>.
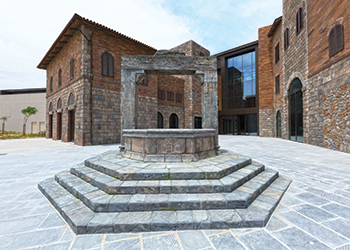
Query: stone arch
<point>334,23</point>
<point>50,106</point>
<point>294,76</point>
<point>71,100</point>
<point>160,120</point>
<point>295,110</point>
<point>59,104</point>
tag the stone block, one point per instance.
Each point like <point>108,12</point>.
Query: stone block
<point>128,143</point>
<point>138,145</point>
<point>162,146</point>
<point>173,158</point>
<point>201,220</point>
<point>184,220</point>
<point>212,201</point>
<point>190,146</point>
<point>163,221</point>
<point>184,201</point>
<point>189,157</point>
<point>156,202</point>
<point>150,146</point>
<point>136,202</point>
<point>199,145</point>
<point>179,146</point>
<point>208,143</point>
<point>133,222</point>
<point>119,203</point>
<point>154,158</point>
<point>226,218</point>
<point>165,187</point>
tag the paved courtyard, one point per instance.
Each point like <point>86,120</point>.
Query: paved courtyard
<point>314,213</point>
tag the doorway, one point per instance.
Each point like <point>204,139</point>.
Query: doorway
<point>295,97</point>
<point>71,119</point>
<point>174,121</point>
<point>59,126</point>
<point>50,126</point>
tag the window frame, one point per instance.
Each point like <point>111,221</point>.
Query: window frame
<point>299,20</point>
<point>71,69</point>
<point>277,53</point>
<point>178,98</point>
<point>277,85</point>
<point>286,38</point>
<point>161,94</point>
<point>170,96</point>
<point>59,77</point>
<point>51,84</point>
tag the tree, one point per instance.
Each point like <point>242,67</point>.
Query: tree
<point>27,112</point>
<point>4,119</point>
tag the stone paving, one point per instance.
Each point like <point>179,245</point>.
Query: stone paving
<point>314,213</point>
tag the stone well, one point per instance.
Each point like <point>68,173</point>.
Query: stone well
<point>169,145</point>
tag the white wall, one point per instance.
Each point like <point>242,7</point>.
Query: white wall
<point>11,105</point>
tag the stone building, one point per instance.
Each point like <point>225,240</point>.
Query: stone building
<point>83,86</point>
<point>302,85</point>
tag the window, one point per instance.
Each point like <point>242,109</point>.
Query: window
<point>51,83</point>
<point>107,64</point>
<point>59,77</point>
<point>201,54</point>
<point>173,121</point>
<point>299,20</point>
<point>277,53</point>
<point>277,84</point>
<point>286,39</point>
<point>197,122</point>
<point>336,40</point>
<point>161,94</point>
<point>59,104</point>
<point>178,98</point>
<point>170,96</point>
<point>71,70</point>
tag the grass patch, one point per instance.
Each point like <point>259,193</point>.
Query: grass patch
<point>8,135</point>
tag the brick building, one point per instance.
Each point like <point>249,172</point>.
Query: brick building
<point>302,85</point>
<point>83,86</point>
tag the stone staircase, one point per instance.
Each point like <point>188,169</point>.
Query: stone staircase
<point>112,194</point>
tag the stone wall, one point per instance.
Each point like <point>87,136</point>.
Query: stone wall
<point>191,48</point>
<point>267,122</point>
<point>295,62</point>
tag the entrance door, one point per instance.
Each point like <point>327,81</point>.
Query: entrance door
<point>227,125</point>
<point>50,125</point>
<point>296,112</point>
<point>59,126</point>
<point>71,116</point>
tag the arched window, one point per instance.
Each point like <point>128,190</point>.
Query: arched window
<point>336,40</point>
<point>71,70</point>
<point>59,104</point>
<point>173,121</point>
<point>107,64</point>
<point>71,100</point>
<point>59,77</point>
<point>296,111</point>
<point>160,120</point>
<point>50,107</point>
<point>278,125</point>
<point>51,83</point>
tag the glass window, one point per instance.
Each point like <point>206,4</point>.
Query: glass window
<point>247,60</point>
<point>230,63</point>
<point>238,62</point>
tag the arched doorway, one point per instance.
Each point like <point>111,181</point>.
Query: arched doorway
<point>278,125</point>
<point>71,117</point>
<point>173,121</point>
<point>50,123</point>
<point>59,119</point>
<point>160,120</point>
<point>295,97</point>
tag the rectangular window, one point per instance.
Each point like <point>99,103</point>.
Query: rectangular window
<point>277,84</point>
<point>277,53</point>
<point>161,94</point>
<point>178,98</point>
<point>170,96</point>
<point>299,20</point>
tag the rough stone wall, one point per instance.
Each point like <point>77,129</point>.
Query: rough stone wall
<point>277,69</point>
<point>295,62</point>
<point>266,86</point>
<point>147,112</point>
<point>323,15</point>
<point>191,48</point>
<point>330,110</point>
<point>336,112</point>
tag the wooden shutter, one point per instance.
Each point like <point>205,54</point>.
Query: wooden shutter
<point>59,77</point>
<point>110,65</point>
<point>105,64</point>
<point>297,22</point>
<point>51,82</point>
<point>71,67</point>
<point>339,38</point>
<point>300,18</point>
<point>331,43</point>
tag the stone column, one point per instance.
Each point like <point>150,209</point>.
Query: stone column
<point>129,100</point>
<point>210,102</point>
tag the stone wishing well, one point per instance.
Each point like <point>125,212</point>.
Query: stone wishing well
<point>166,179</point>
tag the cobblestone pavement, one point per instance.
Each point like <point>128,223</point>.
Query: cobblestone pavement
<point>314,214</point>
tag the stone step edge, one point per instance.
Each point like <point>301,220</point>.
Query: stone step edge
<point>140,175</point>
<point>99,201</point>
<point>110,185</point>
<point>84,221</point>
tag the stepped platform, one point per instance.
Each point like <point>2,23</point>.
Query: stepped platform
<point>111,194</point>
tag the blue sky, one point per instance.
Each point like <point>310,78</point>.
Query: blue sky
<point>28,28</point>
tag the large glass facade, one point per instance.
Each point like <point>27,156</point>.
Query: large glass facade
<point>239,124</point>
<point>240,83</point>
